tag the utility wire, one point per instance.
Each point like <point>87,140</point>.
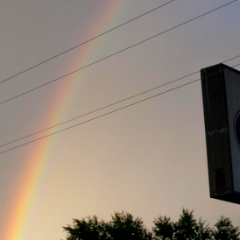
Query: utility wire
<point>107,106</point>
<point>100,116</point>
<point>108,113</point>
<point>115,53</point>
<point>87,41</point>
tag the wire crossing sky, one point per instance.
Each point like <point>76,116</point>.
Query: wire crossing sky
<point>89,40</point>
<point>115,53</point>
<point>102,108</point>
<point>151,156</point>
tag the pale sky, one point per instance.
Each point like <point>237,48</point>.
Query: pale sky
<point>148,159</point>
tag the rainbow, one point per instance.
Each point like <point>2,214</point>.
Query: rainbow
<point>38,156</point>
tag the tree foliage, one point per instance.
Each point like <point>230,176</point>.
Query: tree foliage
<point>186,227</point>
<point>87,229</point>
<point>203,231</point>
<point>123,226</point>
<point>226,230</point>
<point>164,227</point>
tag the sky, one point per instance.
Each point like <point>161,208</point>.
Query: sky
<point>148,159</point>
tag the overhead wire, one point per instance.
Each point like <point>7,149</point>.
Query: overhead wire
<point>108,113</point>
<point>100,116</point>
<point>107,106</point>
<point>115,53</point>
<point>87,41</point>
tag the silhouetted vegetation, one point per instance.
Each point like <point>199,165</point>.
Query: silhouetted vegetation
<point>123,226</point>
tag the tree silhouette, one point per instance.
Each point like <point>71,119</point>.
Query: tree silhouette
<point>87,229</point>
<point>226,230</point>
<point>186,227</point>
<point>123,226</point>
<point>204,232</point>
<point>164,228</point>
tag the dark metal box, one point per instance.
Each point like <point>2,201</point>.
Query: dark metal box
<point>221,102</point>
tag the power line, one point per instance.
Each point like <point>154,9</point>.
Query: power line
<point>93,111</point>
<point>108,113</point>
<point>115,53</point>
<point>87,41</point>
<point>109,105</point>
<point>100,116</point>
